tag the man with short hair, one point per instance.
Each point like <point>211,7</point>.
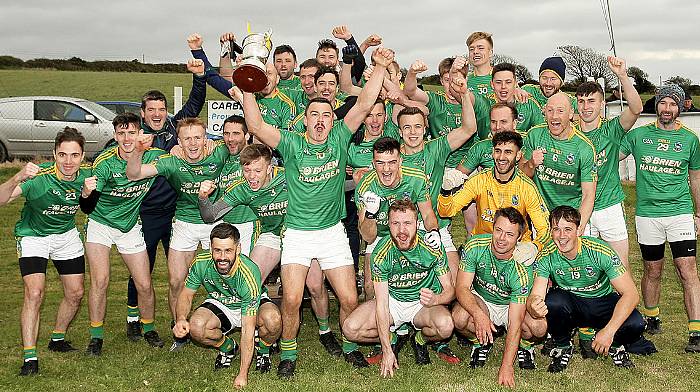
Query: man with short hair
<point>46,230</point>
<point>412,285</point>
<point>233,286</point>
<point>480,46</point>
<point>667,155</point>
<point>503,117</point>
<point>561,160</point>
<point>315,172</point>
<point>285,60</point>
<point>492,289</point>
<point>113,220</point>
<point>185,175</point>
<point>307,70</point>
<point>590,288</point>
<point>551,77</point>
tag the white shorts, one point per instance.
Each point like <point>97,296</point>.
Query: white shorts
<point>403,312</point>
<point>370,247</point>
<point>269,240</point>
<point>656,231</point>
<point>64,246</point>
<point>608,224</point>
<point>248,235</point>
<point>186,236</point>
<point>229,318</point>
<point>329,246</point>
<point>445,237</point>
<point>497,313</point>
<point>127,243</point>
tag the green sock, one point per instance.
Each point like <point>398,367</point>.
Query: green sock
<point>348,346</point>
<point>475,342</point>
<point>394,337</point>
<point>29,353</point>
<point>323,325</point>
<point>525,344</point>
<point>97,330</point>
<point>263,347</point>
<point>132,313</point>
<point>148,325</point>
<point>402,330</point>
<point>288,349</point>
<point>225,345</point>
<point>586,333</point>
<point>652,311</point>
<point>57,335</point>
<point>420,339</point>
<point>693,327</point>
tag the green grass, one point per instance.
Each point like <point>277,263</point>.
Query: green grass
<point>126,366</point>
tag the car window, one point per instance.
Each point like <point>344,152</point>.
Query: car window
<point>58,111</point>
<point>17,110</point>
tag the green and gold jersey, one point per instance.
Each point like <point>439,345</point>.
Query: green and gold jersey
<point>291,84</point>
<point>432,161</point>
<point>567,163</point>
<point>588,275</point>
<point>360,154</point>
<point>51,202</point>
<point>480,155</point>
<point>538,95</point>
<point>663,159</point>
<point>413,186</point>
<point>231,172</point>
<point>529,115</point>
<point>406,272</point>
<point>269,203</point>
<point>479,85</point>
<point>391,129</point>
<point>606,139</point>
<point>239,290</point>
<point>278,109</point>
<point>497,281</point>
<point>315,178</point>
<point>443,117</point>
<point>120,199</point>
<point>185,178</point>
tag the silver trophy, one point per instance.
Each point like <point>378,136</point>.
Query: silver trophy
<point>250,74</point>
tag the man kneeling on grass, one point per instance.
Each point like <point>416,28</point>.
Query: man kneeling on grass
<point>233,286</point>
<point>411,285</point>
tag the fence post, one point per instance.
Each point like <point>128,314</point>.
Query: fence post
<point>177,102</point>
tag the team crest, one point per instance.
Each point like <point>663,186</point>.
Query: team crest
<point>560,272</point>
<point>616,261</point>
<point>647,141</point>
<point>678,147</point>
<point>589,271</point>
<point>212,167</point>
<point>521,117</point>
<point>570,159</point>
<point>514,200</point>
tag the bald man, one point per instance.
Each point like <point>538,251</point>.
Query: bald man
<point>561,160</point>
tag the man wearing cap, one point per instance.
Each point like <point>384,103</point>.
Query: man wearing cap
<point>552,76</point>
<point>667,154</point>
<point>688,106</point>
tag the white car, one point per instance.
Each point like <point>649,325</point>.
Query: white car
<point>28,125</point>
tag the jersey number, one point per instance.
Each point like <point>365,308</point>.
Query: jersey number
<point>662,147</point>
<point>575,275</point>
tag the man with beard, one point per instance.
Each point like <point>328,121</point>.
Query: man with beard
<point>552,76</point>
<point>46,230</point>
<point>285,60</point>
<point>233,286</point>
<point>504,117</point>
<point>667,155</point>
<point>502,186</point>
<point>315,172</point>
<point>590,287</point>
<point>379,188</point>
<point>492,289</point>
<point>563,158</point>
<point>184,175</point>
<point>412,285</point>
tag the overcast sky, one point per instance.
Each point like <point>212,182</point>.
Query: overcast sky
<point>661,37</point>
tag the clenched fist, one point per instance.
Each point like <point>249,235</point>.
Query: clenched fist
<point>383,57</point>
<point>196,66</point>
<point>417,67</point>
<point>89,185</point>
<point>206,187</point>
<point>194,41</point>
<point>342,32</point>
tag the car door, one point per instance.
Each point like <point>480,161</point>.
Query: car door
<point>16,117</point>
<point>51,117</point>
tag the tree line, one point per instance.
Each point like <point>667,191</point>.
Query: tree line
<point>78,64</point>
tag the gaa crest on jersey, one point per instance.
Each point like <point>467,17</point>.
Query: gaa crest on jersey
<point>589,271</point>
<point>647,141</point>
<point>678,147</point>
<point>570,159</point>
<point>559,272</point>
<point>521,117</point>
<point>403,262</point>
<point>514,200</point>
<point>524,290</point>
<point>212,167</point>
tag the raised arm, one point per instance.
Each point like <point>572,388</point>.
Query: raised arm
<point>634,107</point>
<point>458,136</point>
<point>410,86</point>
<point>225,64</point>
<point>356,116</point>
<point>213,78</point>
<point>263,131</point>
<point>135,169</point>
<point>10,189</point>
<point>346,85</point>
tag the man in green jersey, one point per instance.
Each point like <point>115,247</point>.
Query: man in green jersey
<point>46,230</point>
<point>315,172</point>
<point>412,285</point>
<point>233,285</point>
<point>590,288</point>
<point>360,151</point>
<point>379,188</point>
<point>307,70</point>
<point>608,218</point>
<point>551,78</point>
<point>113,220</point>
<point>667,154</point>
<point>503,117</point>
<point>263,188</point>
<point>285,60</point>
<point>492,289</point>
<point>561,160</point>
<point>480,46</point>
<point>184,175</point>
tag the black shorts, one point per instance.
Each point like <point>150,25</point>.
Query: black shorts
<point>37,265</point>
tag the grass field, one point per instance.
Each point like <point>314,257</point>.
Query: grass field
<point>126,366</point>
